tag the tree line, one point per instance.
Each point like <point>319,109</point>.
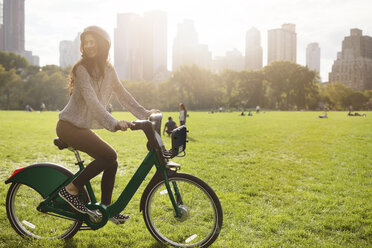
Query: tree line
<point>281,85</point>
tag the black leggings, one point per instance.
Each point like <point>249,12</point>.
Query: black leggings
<point>104,155</point>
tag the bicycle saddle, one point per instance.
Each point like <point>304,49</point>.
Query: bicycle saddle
<point>60,144</point>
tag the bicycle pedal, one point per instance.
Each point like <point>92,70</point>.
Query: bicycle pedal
<point>95,215</point>
<point>171,164</point>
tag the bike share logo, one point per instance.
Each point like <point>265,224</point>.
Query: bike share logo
<point>180,149</point>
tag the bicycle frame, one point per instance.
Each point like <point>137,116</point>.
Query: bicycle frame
<point>151,159</point>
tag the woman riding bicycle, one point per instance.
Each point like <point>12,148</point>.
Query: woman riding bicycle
<point>92,81</point>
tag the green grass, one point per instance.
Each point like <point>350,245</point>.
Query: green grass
<point>283,178</point>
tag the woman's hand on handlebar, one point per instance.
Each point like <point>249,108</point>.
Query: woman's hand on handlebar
<point>123,125</point>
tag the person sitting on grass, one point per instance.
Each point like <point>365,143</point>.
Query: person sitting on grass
<point>169,126</point>
<point>356,114</point>
<point>323,116</point>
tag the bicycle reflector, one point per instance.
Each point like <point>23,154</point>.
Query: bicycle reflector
<point>16,171</point>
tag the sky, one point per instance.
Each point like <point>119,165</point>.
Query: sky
<point>221,24</point>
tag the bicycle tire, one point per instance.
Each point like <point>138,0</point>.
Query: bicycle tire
<point>27,221</point>
<point>200,204</point>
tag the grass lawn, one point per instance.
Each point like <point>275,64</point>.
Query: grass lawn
<point>283,178</point>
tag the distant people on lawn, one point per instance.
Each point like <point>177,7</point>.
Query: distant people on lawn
<point>43,107</point>
<point>356,114</point>
<point>248,114</point>
<point>324,115</point>
<point>170,125</point>
<point>183,114</point>
<point>29,108</point>
<point>258,108</point>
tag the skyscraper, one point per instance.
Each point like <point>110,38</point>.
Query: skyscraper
<point>14,25</point>
<point>353,66</point>
<point>233,60</point>
<point>253,49</point>
<point>128,47</point>
<point>1,26</point>
<point>12,33</point>
<point>155,44</point>
<point>140,46</point>
<point>282,44</point>
<point>313,57</point>
<point>186,48</point>
<point>69,52</point>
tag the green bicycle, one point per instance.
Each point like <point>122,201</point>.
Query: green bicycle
<point>178,209</point>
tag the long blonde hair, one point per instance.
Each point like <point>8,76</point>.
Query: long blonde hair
<point>101,59</point>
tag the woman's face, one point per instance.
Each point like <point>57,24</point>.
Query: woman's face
<point>90,46</point>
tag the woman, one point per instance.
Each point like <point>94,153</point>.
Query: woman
<point>183,114</point>
<point>92,82</point>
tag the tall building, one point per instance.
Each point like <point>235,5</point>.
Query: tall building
<point>353,66</point>
<point>69,52</point>
<point>253,49</point>
<point>128,47</point>
<point>234,60</point>
<point>140,46</point>
<point>186,48</point>
<point>313,57</point>
<point>1,26</point>
<point>282,44</point>
<point>12,33</point>
<point>155,45</point>
<point>14,25</point>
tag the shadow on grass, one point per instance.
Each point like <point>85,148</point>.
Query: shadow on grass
<point>156,244</point>
<point>70,243</point>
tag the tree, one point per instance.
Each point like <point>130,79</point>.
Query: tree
<point>355,99</point>
<point>291,85</point>
<point>334,95</point>
<point>302,88</point>
<point>10,60</point>
<point>277,75</point>
<point>10,83</point>
<point>48,87</point>
<point>195,86</point>
<point>368,95</point>
<point>251,88</point>
<point>228,87</point>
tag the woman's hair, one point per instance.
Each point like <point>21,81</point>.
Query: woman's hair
<point>101,59</point>
<point>182,107</point>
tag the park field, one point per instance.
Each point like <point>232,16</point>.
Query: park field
<point>284,179</point>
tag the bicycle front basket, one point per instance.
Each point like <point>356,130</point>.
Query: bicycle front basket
<point>179,141</point>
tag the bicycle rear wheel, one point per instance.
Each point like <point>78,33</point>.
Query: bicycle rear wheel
<point>201,210</point>
<point>26,220</point>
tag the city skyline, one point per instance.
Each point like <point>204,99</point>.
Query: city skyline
<point>221,25</point>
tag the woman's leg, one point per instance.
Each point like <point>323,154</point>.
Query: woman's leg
<point>104,155</point>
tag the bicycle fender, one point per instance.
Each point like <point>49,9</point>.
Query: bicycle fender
<point>42,177</point>
<point>158,177</point>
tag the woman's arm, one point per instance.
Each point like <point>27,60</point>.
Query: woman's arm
<point>127,100</point>
<point>83,84</point>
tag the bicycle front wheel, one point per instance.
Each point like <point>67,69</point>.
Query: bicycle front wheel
<point>26,220</point>
<point>201,219</point>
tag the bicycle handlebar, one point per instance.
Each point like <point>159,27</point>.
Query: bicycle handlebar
<point>151,129</point>
<point>155,119</point>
